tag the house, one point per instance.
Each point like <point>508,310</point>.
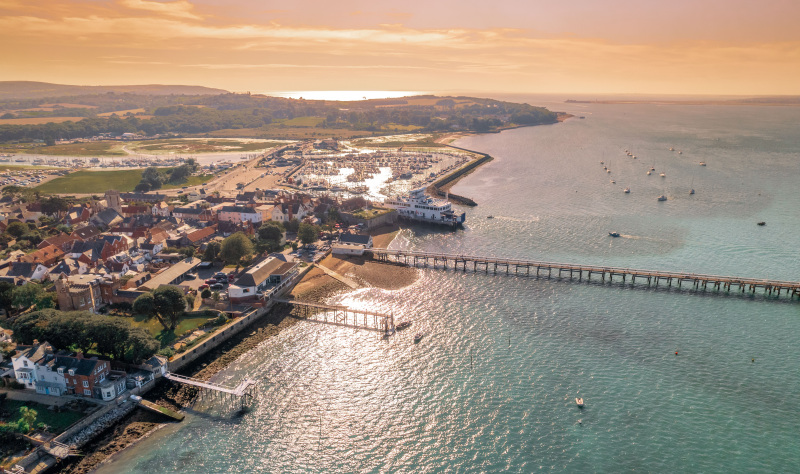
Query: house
<point>22,272</point>
<point>197,237</point>
<point>106,218</point>
<point>47,255</point>
<point>160,209</point>
<point>271,271</point>
<point>81,375</point>
<point>102,248</point>
<point>86,233</point>
<point>24,363</point>
<point>62,241</point>
<point>239,214</point>
<point>68,266</point>
<point>284,212</point>
<point>79,292</point>
<point>351,244</point>
<point>192,213</point>
<point>128,211</point>
<point>151,248</point>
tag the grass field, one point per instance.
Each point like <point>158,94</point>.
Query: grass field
<point>155,328</point>
<point>104,148</point>
<point>302,122</point>
<point>198,145</point>
<point>97,182</point>
<point>57,422</point>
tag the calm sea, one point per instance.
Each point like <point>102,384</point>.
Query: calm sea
<point>491,387</point>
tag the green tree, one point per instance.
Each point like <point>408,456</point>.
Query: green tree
<point>145,305</point>
<point>235,248</point>
<point>308,233</point>
<point>110,336</point>
<point>32,294</point>
<point>6,297</point>
<point>292,226</point>
<point>27,418</point>
<point>211,252</point>
<point>270,232</point>
<point>206,293</point>
<point>17,229</point>
<point>169,306</point>
<point>55,205</point>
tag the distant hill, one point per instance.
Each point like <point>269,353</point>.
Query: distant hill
<point>40,90</point>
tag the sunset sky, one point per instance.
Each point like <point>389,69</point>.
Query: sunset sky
<point>578,46</point>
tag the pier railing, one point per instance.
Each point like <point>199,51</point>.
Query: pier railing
<point>496,265</point>
<point>343,316</point>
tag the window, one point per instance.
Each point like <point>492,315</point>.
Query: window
<point>85,383</point>
<point>61,371</point>
<point>87,392</point>
<point>25,363</point>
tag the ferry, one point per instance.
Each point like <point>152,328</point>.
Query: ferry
<point>418,206</point>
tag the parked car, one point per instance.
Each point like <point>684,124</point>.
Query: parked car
<point>202,287</point>
<point>211,281</point>
<point>220,275</point>
<point>191,276</point>
<point>217,286</point>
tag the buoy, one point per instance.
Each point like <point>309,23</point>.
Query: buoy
<point>676,352</point>
<point>752,360</point>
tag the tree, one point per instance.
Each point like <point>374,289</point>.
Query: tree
<point>169,306</point>
<point>206,293</point>
<point>17,229</point>
<point>6,296</point>
<point>235,248</point>
<point>54,205</point>
<point>32,294</point>
<point>308,233</point>
<point>270,232</point>
<point>145,305</point>
<point>292,225</point>
<point>211,252</point>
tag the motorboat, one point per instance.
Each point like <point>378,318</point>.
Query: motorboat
<point>614,234</point>
<point>702,163</point>
<point>762,223</point>
<point>418,337</point>
<point>579,402</point>
<point>403,325</point>
<point>663,175</point>
<point>691,191</point>
<point>649,173</point>
<point>627,191</point>
<point>662,198</point>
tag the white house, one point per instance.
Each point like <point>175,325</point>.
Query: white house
<point>25,363</point>
<point>351,244</point>
<point>271,271</point>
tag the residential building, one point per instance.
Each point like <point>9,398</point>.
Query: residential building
<point>271,271</point>
<point>239,214</point>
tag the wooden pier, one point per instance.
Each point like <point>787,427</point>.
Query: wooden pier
<point>531,268</point>
<point>240,390</point>
<point>343,316</point>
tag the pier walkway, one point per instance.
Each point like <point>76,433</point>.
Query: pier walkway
<point>343,316</point>
<point>655,278</point>
<point>239,391</point>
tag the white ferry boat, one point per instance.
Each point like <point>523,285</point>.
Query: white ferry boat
<point>420,207</point>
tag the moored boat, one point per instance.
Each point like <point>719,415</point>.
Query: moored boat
<point>579,402</point>
<point>627,191</point>
<point>614,234</point>
<point>418,337</point>
<point>662,198</point>
<point>403,325</point>
<point>762,223</point>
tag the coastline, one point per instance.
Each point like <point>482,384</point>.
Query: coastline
<point>315,286</point>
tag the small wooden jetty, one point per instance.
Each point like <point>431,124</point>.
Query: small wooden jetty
<point>540,269</point>
<point>161,410</point>
<point>343,316</point>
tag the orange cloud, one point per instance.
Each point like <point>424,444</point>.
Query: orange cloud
<point>180,8</point>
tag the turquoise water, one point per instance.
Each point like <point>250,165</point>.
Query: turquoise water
<point>491,387</point>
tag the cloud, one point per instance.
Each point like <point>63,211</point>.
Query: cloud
<point>179,8</point>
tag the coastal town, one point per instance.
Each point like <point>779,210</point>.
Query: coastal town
<point>150,282</point>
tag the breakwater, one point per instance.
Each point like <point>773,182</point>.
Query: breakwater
<point>441,186</point>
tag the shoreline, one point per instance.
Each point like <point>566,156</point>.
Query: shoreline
<point>315,286</point>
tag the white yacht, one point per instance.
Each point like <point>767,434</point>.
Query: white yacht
<point>418,206</point>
